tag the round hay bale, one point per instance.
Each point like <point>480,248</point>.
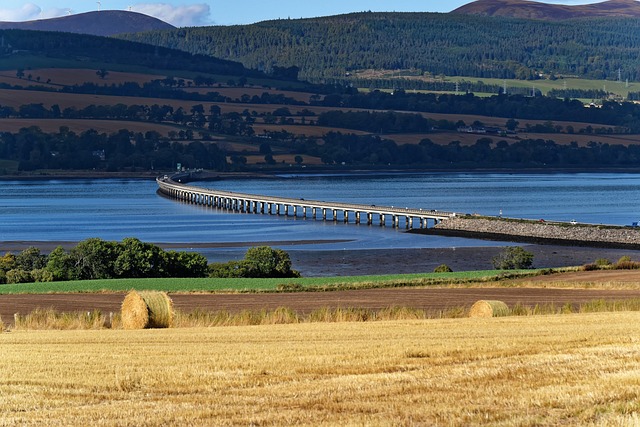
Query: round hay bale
<point>142,310</point>
<point>488,308</point>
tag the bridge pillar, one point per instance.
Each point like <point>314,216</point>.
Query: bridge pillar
<point>324,214</point>
<point>382,220</point>
<point>345,216</point>
<point>304,212</point>
<point>277,208</point>
<point>295,210</point>
<point>409,222</point>
<point>357,217</point>
<point>395,219</point>
<point>369,218</point>
<point>334,213</point>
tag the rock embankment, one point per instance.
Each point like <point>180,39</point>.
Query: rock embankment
<point>540,232</point>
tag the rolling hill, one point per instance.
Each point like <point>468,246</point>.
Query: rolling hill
<point>526,9</point>
<point>431,44</point>
<point>103,23</point>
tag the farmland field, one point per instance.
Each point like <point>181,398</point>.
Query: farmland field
<point>538,370</point>
<point>81,125</point>
<point>70,77</point>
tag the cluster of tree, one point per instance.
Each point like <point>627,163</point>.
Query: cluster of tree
<point>513,258</point>
<point>450,44</point>
<point>579,93</point>
<point>261,261</point>
<point>99,259</point>
<point>623,116</point>
<point>350,149</point>
<point>123,150</point>
<point>380,122</point>
<point>431,85</point>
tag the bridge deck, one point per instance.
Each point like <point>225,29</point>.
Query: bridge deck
<point>243,202</point>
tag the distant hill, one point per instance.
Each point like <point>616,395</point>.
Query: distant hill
<point>103,23</point>
<point>527,9</point>
<point>452,44</point>
<point>50,48</point>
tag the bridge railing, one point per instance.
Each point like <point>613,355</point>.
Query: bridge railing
<point>169,183</point>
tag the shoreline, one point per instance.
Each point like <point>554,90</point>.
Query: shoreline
<point>272,173</point>
<point>363,262</point>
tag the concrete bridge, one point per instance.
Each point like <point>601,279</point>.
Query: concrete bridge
<point>171,187</point>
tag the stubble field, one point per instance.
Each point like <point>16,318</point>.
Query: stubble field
<point>540,370</point>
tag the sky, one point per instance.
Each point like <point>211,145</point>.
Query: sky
<point>189,13</point>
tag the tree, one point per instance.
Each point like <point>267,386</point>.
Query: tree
<point>93,259</point>
<point>512,124</point>
<point>31,259</point>
<point>102,73</point>
<point>513,258</point>
<point>138,259</point>
<point>261,261</point>
<point>59,264</point>
<point>264,261</point>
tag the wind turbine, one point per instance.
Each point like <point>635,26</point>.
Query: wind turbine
<point>68,12</point>
<point>99,5</point>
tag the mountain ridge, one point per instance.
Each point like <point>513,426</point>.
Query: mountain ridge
<point>102,23</point>
<point>527,9</point>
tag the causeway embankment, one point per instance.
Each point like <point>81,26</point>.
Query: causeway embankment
<point>538,232</point>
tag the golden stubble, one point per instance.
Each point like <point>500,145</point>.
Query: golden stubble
<point>543,370</point>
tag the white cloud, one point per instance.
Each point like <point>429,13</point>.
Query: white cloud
<point>27,12</point>
<point>180,16</point>
<point>30,12</point>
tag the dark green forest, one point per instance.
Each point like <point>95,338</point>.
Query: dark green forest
<point>106,50</point>
<point>450,44</point>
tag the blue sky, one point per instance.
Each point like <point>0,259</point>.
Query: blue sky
<point>183,13</point>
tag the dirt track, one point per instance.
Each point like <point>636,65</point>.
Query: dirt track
<point>431,299</point>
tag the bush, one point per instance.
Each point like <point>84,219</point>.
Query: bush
<point>590,267</point>
<point>41,275</point>
<point>513,258</point>
<point>603,262</point>
<point>261,261</point>
<point>18,276</point>
<point>443,268</point>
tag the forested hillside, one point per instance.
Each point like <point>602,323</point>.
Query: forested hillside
<point>87,49</point>
<point>436,43</point>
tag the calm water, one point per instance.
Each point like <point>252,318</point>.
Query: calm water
<point>113,209</point>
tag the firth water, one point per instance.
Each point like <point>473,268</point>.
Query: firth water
<point>112,209</point>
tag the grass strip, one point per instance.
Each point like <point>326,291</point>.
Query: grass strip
<point>306,284</point>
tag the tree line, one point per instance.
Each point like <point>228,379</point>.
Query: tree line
<point>369,150</point>
<point>34,149</point>
<point>94,259</point>
<point>100,259</point>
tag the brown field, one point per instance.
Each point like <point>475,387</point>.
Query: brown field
<point>307,130</point>
<point>529,292</point>
<point>513,371</point>
<point>237,92</point>
<point>69,77</point>
<point>79,125</point>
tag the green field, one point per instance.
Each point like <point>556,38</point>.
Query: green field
<point>544,85</point>
<point>264,285</point>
